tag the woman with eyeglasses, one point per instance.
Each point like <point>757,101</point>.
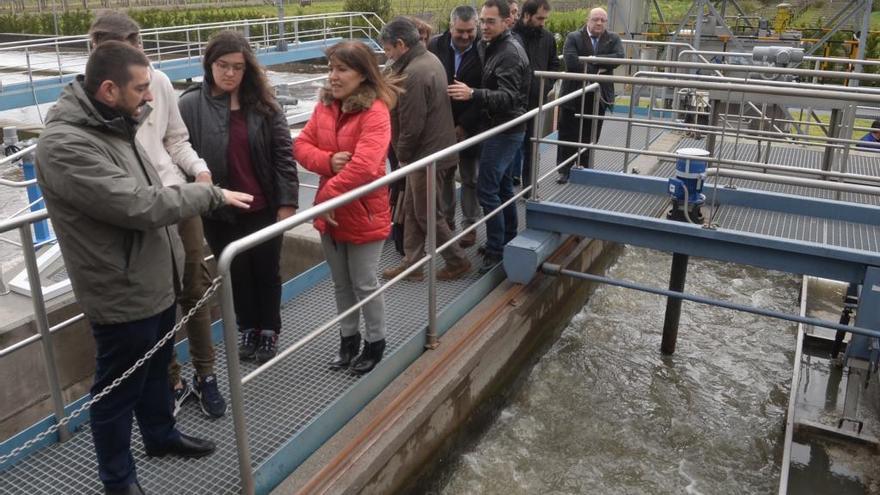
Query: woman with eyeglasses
<point>238,128</point>
<point>345,142</point>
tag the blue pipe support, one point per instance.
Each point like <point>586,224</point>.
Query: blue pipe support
<point>41,228</point>
<point>524,254</point>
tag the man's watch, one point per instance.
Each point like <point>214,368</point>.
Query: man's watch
<point>472,92</point>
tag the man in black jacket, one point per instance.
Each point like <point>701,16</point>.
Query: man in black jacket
<point>457,50</point>
<point>540,46</point>
<point>503,97</point>
<point>592,39</point>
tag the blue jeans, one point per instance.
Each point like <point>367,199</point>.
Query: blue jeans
<point>495,186</point>
<point>145,393</point>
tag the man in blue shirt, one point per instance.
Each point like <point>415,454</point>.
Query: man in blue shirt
<point>871,140</point>
<point>457,51</point>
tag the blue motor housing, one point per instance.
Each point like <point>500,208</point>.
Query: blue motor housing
<point>690,173</point>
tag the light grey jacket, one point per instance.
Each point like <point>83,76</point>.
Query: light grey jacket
<point>111,213</point>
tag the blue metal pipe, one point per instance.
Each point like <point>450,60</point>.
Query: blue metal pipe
<point>41,228</point>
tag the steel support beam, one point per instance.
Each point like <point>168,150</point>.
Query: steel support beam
<point>790,256</point>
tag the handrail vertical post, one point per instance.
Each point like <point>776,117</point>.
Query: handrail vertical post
<point>282,43</point>
<point>536,145</point>
<point>41,320</point>
<point>594,127</point>
<point>631,111</point>
<point>233,369</point>
<point>431,187</point>
<point>158,48</point>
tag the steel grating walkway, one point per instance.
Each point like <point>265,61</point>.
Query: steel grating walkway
<point>857,236</point>
<point>280,402</point>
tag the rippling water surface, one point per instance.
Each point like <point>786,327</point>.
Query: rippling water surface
<point>604,412</point>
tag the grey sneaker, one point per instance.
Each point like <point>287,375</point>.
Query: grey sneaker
<point>268,346</point>
<point>181,395</point>
<point>247,343</point>
<point>210,399</point>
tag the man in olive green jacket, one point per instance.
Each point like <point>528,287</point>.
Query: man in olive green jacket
<point>421,124</point>
<point>112,217</point>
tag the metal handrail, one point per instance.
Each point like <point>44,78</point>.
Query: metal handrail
<point>48,42</point>
<point>41,320</point>
<point>787,84</point>
<point>807,58</point>
<point>794,181</point>
<point>764,69</point>
<point>18,154</point>
<point>739,88</point>
<point>236,247</point>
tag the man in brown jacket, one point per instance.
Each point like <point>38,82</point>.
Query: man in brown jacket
<point>421,124</point>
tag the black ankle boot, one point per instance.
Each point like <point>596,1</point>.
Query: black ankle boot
<point>369,358</point>
<point>348,349</point>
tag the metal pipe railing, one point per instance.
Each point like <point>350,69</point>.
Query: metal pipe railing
<point>762,69</point>
<point>794,181</point>
<point>235,248</point>
<point>555,269</point>
<point>807,58</point>
<point>728,87</point>
<point>23,225</point>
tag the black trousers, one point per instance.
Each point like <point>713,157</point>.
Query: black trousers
<point>145,394</point>
<point>256,278</point>
<point>568,131</point>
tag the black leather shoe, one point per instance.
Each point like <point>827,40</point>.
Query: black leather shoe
<point>348,349</point>
<point>562,179</point>
<point>368,359</point>
<point>132,489</point>
<point>185,446</point>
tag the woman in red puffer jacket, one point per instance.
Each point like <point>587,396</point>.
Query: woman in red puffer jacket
<point>346,142</point>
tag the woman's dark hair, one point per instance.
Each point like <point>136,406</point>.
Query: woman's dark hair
<point>358,57</point>
<point>255,91</point>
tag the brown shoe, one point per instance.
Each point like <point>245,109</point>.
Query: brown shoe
<point>416,276</point>
<point>468,240</point>
<point>454,271</point>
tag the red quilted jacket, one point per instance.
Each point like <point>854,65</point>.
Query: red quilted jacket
<point>360,125</point>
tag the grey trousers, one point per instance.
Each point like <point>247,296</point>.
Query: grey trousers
<point>354,271</point>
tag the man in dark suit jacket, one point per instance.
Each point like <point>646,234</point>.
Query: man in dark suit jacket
<point>592,39</point>
<point>457,50</point>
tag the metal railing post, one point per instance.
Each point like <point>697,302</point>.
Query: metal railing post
<point>431,185</point>
<point>594,127</point>
<point>536,145</point>
<point>233,369</point>
<point>632,104</point>
<point>41,320</point>
<point>158,48</point>
<point>282,43</point>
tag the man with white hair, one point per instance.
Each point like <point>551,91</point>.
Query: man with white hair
<point>592,39</point>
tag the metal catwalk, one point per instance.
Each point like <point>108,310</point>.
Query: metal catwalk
<point>279,403</point>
